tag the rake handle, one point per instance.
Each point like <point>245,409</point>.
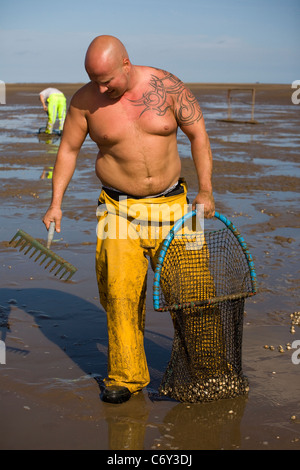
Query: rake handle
<point>50,234</point>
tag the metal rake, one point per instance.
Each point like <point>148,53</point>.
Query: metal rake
<point>23,240</point>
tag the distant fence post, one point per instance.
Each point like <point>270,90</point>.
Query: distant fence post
<point>229,111</point>
<point>2,93</point>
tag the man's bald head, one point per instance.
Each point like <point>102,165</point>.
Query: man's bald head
<point>105,52</point>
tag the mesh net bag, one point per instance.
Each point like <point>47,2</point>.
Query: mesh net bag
<point>204,280</point>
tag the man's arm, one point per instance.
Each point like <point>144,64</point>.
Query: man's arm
<point>42,100</point>
<point>190,119</point>
<point>202,156</point>
<point>74,134</point>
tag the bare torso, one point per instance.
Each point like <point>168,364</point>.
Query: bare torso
<point>136,135</point>
<point>135,129</point>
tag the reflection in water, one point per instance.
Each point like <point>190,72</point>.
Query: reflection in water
<point>127,423</point>
<point>53,138</point>
<point>210,426</point>
<point>47,173</point>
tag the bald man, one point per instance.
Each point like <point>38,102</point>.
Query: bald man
<point>132,113</point>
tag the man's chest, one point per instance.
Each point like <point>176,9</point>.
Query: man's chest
<point>130,119</point>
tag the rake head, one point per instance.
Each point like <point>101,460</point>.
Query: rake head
<point>23,240</point>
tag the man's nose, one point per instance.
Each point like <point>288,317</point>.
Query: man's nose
<point>103,88</point>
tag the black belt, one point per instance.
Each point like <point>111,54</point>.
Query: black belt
<point>115,195</point>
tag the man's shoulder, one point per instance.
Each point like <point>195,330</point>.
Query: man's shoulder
<point>165,78</point>
<point>154,71</point>
<point>82,95</point>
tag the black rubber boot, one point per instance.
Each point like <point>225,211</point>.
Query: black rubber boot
<point>115,394</point>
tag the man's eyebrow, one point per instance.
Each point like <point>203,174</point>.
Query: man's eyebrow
<point>104,82</point>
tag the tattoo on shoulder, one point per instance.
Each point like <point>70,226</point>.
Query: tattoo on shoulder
<point>187,110</point>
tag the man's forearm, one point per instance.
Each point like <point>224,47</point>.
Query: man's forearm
<point>75,131</point>
<point>202,156</point>
<point>43,102</point>
<point>62,174</point>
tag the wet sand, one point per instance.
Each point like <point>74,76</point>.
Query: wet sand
<point>55,332</point>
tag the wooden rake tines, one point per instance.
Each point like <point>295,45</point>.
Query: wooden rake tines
<point>28,242</point>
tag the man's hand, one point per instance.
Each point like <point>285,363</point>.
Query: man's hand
<point>207,199</point>
<point>53,214</point>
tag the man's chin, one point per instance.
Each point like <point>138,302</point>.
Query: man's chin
<point>114,95</point>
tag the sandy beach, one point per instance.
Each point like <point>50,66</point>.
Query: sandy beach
<point>55,332</point>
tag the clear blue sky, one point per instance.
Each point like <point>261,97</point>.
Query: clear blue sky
<point>199,41</point>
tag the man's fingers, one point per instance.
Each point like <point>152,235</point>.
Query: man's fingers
<point>47,221</point>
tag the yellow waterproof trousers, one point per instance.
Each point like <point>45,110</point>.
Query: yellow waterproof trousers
<point>56,107</point>
<point>128,232</point>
